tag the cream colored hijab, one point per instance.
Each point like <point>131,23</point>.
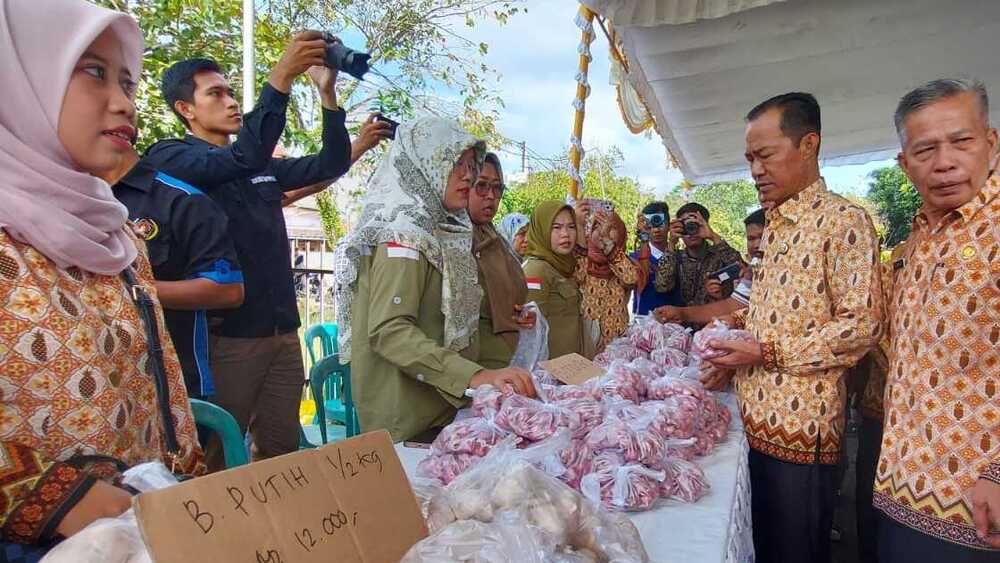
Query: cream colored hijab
<point>67,215</point>
<point>404,204</point>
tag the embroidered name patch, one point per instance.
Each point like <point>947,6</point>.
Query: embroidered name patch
<point>262,179</point>
<point>534,284</point>
<point>396,250</point>
<point>145,228</point>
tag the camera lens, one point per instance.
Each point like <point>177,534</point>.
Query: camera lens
<point>691,227</point>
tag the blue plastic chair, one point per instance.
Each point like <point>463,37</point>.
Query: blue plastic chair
<point>218,420</point>
<point>327,378</point>
<point>327,335</point>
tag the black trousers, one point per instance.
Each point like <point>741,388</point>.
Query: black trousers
<point>901,544</point>
<point>869,448</point>
<point>792,508</point>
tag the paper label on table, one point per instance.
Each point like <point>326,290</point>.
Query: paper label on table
<point>572,369</point>
<point>333,503</point>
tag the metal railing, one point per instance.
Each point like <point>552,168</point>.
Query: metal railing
<point>312,272</point>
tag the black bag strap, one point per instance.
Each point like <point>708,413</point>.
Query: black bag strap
<point>147,311</point>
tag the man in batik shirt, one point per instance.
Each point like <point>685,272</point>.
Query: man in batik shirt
<point>815,311</point>
<point>938,477</point>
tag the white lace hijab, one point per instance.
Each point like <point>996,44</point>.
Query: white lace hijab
<point>404,204</point>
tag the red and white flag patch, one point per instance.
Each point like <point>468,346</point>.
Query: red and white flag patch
<point>396,250</point>
<point>534,284</point>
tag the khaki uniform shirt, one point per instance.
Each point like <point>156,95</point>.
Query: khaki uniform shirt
<point>559,299</point>
<point>403,379</point>
<point>942,420</point>
<point>817,300</point>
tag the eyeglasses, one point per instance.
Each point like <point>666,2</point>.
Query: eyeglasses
<point>483,189</point>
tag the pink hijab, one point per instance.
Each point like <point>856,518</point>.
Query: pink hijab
<point>69,216</point>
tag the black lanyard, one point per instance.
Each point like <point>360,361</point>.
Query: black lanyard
<point>155,349</point>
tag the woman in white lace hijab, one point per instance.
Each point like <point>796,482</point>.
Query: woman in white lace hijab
<point>407,285</point>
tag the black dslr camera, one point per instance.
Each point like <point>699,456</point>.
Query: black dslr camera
<point>691,227</point>
<point>346,59</point>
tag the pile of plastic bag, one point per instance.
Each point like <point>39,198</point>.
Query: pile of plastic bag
<point>509,509</point>
<point>632,435</point>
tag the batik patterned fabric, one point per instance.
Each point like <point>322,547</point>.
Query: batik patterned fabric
<point>873,395</point>
<point>817,310</point>
<point>942,424</point>
<point>605,300</point>
<point>76,380</point>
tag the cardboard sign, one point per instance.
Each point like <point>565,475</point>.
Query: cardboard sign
<point>572,369</point>
<point>348,502</point>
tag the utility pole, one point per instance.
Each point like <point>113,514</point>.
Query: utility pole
<point>249,77</point>
<point>524,157</point>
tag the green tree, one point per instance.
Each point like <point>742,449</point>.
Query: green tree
<point>601,180</point>
<point>896,201</point>
<point>333,227</point>
<point>728,204</point>
<point>418,48</point>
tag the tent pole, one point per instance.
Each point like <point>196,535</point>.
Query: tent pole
<point>585,21</point>
<point>248,55</point>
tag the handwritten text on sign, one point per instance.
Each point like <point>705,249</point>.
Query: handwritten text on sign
<point>308,506</point>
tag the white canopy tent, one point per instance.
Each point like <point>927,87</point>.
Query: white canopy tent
<point>697,67</point>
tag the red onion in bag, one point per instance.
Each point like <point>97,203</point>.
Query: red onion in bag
<point>445,467</point>
<point>669,357</point>
<point>534,420</point>
<point>475,435</point>
<point>716,331</point>
<point>621,486</point>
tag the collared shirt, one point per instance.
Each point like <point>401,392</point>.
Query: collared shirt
<point>817,300</point>
<point>247,183</point>
<point>678,268</point>
<point>942,424</point>
<point>186,234</point>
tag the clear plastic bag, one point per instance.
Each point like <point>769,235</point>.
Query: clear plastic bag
<point>150,476</point>
<point>621,380</point>
<point>445,467</point>
<point>685,480</point>
<point>618,350</point>
<point>114,540</point>
<point>479,542</point>
<point>534,420</point>
<point>670,386</point>
<point>532,344</point>
<point>508,487</point>
<point>474,435</point>
<point>669,357</point>
<point>621,486</point>
<point>715,331</point>
<point>648,334</point>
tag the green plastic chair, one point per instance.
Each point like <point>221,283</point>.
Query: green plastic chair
<point>327,335</point>
<point>326,379</point>
<point>218,420</point>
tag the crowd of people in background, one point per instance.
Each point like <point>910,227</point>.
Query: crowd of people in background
<point>130,283</point>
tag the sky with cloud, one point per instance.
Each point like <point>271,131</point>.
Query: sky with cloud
<point>536,56</point>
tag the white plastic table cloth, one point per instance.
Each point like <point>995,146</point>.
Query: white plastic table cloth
<point>716,529</point>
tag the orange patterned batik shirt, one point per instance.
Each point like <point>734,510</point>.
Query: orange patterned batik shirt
<point>816,309</point>
<point>942,423</point>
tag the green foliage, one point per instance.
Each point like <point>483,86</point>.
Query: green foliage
<point>330,216</point>
<point>728,204</point>
<point>896,200</point>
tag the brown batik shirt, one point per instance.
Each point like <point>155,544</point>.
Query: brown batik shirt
<point>816,309</point>
<point>942,423</point>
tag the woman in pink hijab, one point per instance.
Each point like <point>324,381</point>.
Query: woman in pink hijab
<point>84,389</point>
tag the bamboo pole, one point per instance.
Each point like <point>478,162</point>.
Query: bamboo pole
<point>585,19</point>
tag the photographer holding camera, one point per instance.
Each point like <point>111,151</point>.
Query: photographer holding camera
<point>255,353</point>
<point>704,253</point>
<point>654,241</point>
